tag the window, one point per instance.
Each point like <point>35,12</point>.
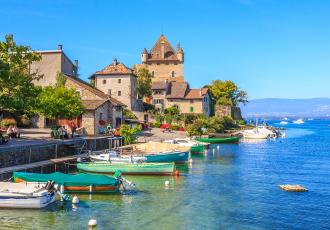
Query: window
<point>158,92</point>
<point>191,101</point>
<point>153,73</point>
<point>119,81</point>
<point>109,92</point>
<point>158,101</point>
<point>119,93</point>
<point>173,74</point>
<point>104,82</point>
<point>191,109</point>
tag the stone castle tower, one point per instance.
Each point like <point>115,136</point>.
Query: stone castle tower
<point>163,61</point>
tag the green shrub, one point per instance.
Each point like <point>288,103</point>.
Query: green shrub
<point>175,127</point>
<point>128,114</point>
<point>157,124</point>
<point>129,134</point>
<point>6,122</point>
<point>241,122</point>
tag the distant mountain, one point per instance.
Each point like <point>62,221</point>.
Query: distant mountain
<point>274,107</point>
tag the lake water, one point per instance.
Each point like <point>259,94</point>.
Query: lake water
<point>230,187</point>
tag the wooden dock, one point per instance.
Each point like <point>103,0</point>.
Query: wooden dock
<point>40,164</point>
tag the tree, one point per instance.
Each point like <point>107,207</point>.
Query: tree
<point>59,102</point>
<point>144,79</point>
<point>227,93</point>
<point>17,92</point>
<point>129,134</point>
<point>172,114</point>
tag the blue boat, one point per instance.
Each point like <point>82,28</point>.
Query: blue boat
<point>162,152</point>
<point>177,157</point>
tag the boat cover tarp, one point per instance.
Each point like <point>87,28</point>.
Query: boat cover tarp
<point>81,179</point>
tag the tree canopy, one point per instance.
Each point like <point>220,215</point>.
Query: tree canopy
<point>144,80</point>
<point>17,92</point>
<point>59,102</point>
<point>227,93</point>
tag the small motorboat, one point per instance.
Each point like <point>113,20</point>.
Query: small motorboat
<point>26,195</point>
<point>299,121</point>
<point>218,140</point>
<point>80,182</point>
<point>113,156</point>
<point>195,147</point>
<point>255,134</point>
<point>128,168</point>
<point>284,122</point>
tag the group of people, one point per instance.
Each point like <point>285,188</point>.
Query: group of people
<point>64,134</point>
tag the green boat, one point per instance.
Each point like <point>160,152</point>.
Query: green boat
<point>81,182</point>
<point>197,149</point>
<point>218,140</point>
<point>129,168</point>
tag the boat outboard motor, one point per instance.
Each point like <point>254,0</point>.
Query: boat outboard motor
<point>50,186</point>
<point>118,175</point>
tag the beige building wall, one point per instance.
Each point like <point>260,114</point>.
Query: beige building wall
<point>186,105</point>
<point>120,87</point>
<point>88,122</point>
<point>51,63</point>
<point>163,72</point>
<point>49,66</point>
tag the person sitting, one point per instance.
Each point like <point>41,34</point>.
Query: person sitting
<point>73,128</point>
<point>10,132</point>
<point>16,132</point>
<point>3,140</point>
<point>63,132</point>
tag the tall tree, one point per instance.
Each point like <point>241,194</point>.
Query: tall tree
<point>227,93</point>
<point>143,82</point>
<point>17,92</point>
<point>59,102</point>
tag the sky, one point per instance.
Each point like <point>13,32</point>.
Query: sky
<point>269,48</point>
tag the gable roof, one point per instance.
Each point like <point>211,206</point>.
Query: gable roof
<point>159,85</point>
<point>196,93</point>
<point>156,50</point>
<point>95,91</point>
<point>178,90</point>
<point>115,68</point>
<point>92,104</point>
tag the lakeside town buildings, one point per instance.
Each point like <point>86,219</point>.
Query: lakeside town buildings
<point>115,86</point>
<point>98,106</point>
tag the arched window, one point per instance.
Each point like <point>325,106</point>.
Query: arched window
<point>153,73</point>
<point>173,74</point>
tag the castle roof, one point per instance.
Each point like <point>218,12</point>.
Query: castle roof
<point>159,85</point>
<point>156,51</point>
<point>115,68</point>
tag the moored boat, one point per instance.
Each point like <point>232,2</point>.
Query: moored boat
<point>129,168</point>
<point>219,140</point>
<point>73,182</point>
<point>161,152</point>
<point>195,147</point>
<point>299,121</point>
<point>25,195</point>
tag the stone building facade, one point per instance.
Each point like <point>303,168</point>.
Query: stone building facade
<point>98,105</point>
<point>51,63</point>
<point>163,61</point>
<point>119,82</point>
<point>189,101</point>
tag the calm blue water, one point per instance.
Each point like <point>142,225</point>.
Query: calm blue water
<point>231,187</point>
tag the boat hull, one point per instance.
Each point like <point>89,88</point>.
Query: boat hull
<point>78,183</point>
<point>176,157</point>
<point>197,149</point>
<point>129,169</point>
<point>219,140</point>
<point>10,201</point>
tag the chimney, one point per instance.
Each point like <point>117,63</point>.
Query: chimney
<point>75,71</point>
<point>114,62</point>
<point>59,47</point>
